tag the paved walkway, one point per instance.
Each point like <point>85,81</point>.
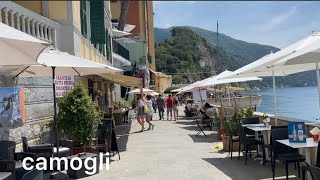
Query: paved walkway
<point>172,152</point>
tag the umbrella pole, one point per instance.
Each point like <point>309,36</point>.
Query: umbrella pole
<point>55,108</point>
<point>200,97</point>
<point>318,82</point>
<point>275,98</point>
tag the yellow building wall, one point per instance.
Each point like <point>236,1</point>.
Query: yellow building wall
<point>35,6</point>
<point>87,51</point>
<point>58,10</point>
<point>115,9</point>
<point>76,14</point>
<point>82,49</point>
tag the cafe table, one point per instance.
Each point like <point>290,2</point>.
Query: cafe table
<point>309,144</point>
<point>265,132</point>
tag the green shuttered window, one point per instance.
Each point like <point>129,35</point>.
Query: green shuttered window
<point>83,14</point>
<point>98,32</point>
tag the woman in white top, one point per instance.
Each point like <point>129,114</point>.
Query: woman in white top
<point>141,115</point>
<point>149,112</point>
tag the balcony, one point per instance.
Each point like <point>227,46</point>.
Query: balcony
<point>29,22</point>
<point>119,49</point>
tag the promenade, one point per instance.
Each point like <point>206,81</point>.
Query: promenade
<point>172,152</point>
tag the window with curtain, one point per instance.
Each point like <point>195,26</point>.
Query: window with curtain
<point>83,14</point>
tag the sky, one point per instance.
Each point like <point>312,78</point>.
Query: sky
<point>272,23</point>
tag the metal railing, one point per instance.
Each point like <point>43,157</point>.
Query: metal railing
<point>119,49</point>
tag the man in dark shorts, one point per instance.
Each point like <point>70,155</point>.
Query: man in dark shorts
<point>161,106</point>
<point>169,105</point>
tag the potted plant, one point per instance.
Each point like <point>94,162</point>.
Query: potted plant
<point>119,108</point>
<point>231,124</point>
<point>78,118</point>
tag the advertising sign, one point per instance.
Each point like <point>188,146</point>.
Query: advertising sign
<point>63,84</point>
<point>297,132</point>
<point>12,113</point>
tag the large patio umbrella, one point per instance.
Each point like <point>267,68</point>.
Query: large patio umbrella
<point>265,66</point>
<point>306,56</point>
<point>138,91</point>
<point>51,62</point>
<point>18,48</point>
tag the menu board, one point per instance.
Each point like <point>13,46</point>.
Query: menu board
<point>63,84</point>
<point>297,132</point>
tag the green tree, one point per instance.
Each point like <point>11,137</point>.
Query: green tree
<point>78,116</point>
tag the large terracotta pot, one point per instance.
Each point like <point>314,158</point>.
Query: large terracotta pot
<point>225,141</point>
<point>77,150</point>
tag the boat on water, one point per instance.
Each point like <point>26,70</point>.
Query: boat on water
<point>241,101</point>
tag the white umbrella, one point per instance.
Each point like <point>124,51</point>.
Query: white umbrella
<point>306,56</point>
<point>18,48</point>
<point>154,94</point>
<point>65,64</point>
<point>52,61</point>
<point>137,91</point>
<point>265,66</point>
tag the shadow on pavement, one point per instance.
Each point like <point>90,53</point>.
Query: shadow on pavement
<point>236,169</point>
<point>210,138</point>
<point>122,132</point>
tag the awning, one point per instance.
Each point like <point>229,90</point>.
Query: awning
<point>127,27</point>
<point>126,81</point>
<point>158,73</point>
<point>121,59</point>
<point>117,33</point>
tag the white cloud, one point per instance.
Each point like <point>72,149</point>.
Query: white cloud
<point>167,25</point>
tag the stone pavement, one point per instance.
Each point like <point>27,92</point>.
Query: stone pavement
<point>172,152</point>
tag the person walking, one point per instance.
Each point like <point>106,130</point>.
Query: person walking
<point>161,105</point>
<point>149,112</point>
<point>169,104</point>
<point>175,108</point>
<point>141,115</point>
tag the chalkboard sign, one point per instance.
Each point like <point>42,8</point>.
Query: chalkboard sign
<point>297,132</point>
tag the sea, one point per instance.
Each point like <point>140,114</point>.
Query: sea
<point>298,102</point>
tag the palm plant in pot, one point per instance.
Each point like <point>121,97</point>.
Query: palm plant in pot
<point>78,118</point>
<point>231,124</point>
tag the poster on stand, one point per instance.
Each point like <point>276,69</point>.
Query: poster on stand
<point>297,132</point>
<point>12,110</point>
<point>198,95</point>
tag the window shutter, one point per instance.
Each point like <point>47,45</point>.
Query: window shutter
<point>149,59</point>
<point>98,34</point>
<point>83,14</point>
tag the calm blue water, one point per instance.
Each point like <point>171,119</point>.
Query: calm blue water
<point>299,102</point>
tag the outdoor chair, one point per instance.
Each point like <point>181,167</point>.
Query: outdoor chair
<point>251,120</point>
<point>232,139</point>
<point>283,152</point>
<point>33,175</point>
<point>7,150</point>
<point>269,146</point>
<point>131,115</point>
<point>200,125</point>
<point>41,150</point>
<point>305,168</point>
<point>7,162</point>
<point>314,171</point>
<point>247,142</point>
<point>65,146</point>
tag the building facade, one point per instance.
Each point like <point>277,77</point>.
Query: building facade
<point>80,28</point>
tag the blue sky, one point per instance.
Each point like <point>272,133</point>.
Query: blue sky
<point>265,22</point>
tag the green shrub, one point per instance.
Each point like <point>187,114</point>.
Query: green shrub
<point>78,117</point>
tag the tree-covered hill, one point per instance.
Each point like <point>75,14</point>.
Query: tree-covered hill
<point>180,49</point>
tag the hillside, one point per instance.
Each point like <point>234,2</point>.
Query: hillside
<point>247,52</point>
<point>231,54</point>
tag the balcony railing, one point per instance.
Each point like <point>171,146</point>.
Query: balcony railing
<point>119,49</point>
<point>29,22</point>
